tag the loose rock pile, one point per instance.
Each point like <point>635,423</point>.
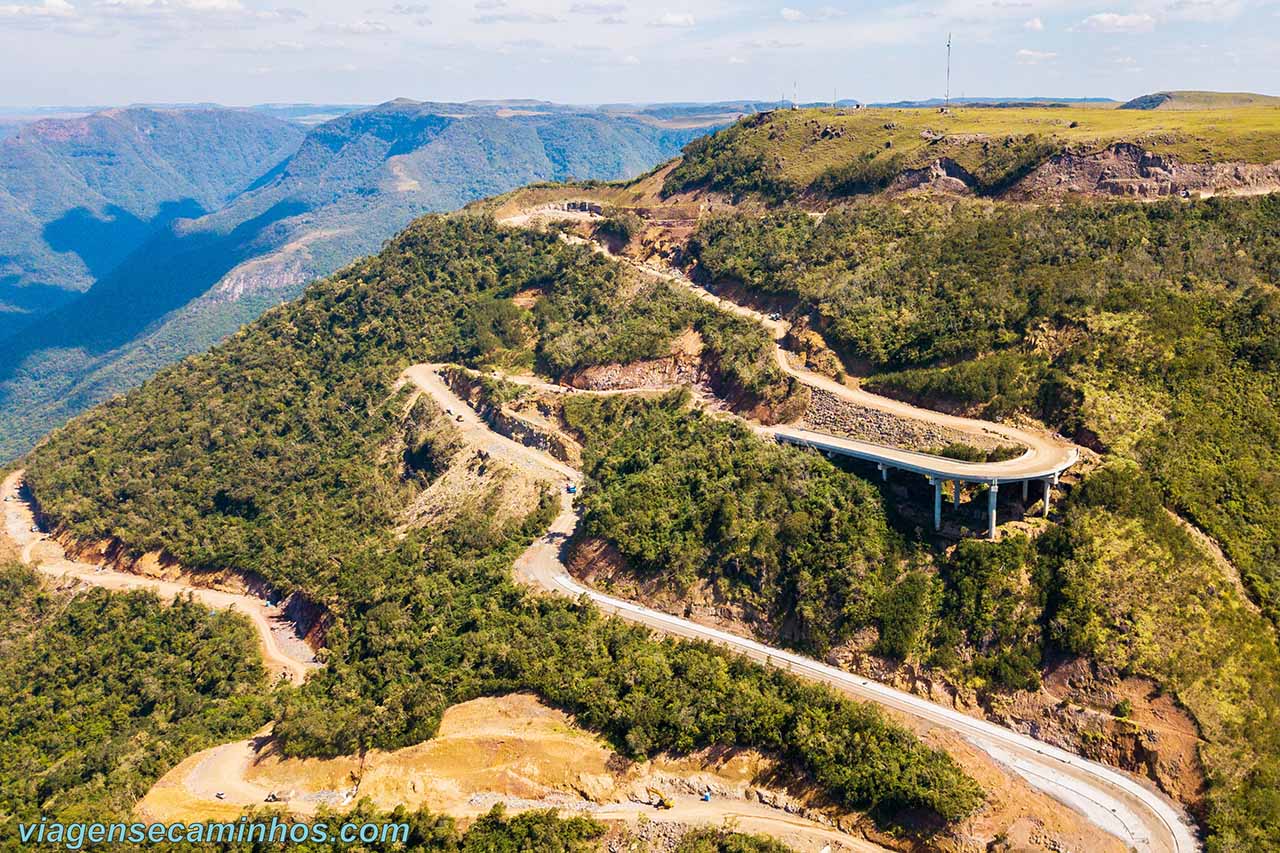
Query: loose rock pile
<point>830,414</point>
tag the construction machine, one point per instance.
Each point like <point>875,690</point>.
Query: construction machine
<point>658,799</point>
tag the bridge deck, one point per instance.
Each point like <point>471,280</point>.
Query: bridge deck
<point>1029,466</point>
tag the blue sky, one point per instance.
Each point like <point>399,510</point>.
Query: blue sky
<point>591,51</point>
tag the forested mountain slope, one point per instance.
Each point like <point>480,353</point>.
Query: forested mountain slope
<point>77,196</point>
<point>351,183</point>
<point>284,452</point>
<point>103,691</point>
<point>1144,330</point>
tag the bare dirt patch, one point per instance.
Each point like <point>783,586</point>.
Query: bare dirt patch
<point>513,750</point>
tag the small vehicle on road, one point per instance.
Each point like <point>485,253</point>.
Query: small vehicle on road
<point>220,795</point>
<point>571,489</point>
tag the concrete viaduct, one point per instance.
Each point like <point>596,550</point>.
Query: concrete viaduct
<point>1043,463</point>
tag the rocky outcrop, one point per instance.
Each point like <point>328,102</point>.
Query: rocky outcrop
<point>669,372</point>
<point>524,428</point>
<point>943,175</point>
<point>1130,171</point>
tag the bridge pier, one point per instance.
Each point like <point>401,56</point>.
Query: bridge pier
<point>937,502</point>
<point>884,472</point>
<point>1048,490</point>
<point>1024,492</point>
<point>991,509</point>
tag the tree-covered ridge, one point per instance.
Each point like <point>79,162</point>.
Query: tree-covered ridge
<point>268,454</point>
<point>1148,329</point>
<point>1119,581</point>
<point>104,692</point>
<point>259,227</point>
<point>1151,329</point>
<point>1130,587</point>
<point>685,495</point>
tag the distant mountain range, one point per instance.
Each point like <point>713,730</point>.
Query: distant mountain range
<point>992,102</point>
<point>134,237</point>
<point>78,195</point>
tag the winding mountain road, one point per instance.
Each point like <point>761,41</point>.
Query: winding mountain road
<point>1119,804</point>
<point>282,653</point>
<point>1045,458</point>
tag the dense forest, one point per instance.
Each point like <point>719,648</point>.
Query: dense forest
<point>687,496</point>
<point>264,455</point>
<point>104,692</point>
<point>684,495</point>
<point>1150,330</point>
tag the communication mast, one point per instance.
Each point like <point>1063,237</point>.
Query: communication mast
<point>947,94</point>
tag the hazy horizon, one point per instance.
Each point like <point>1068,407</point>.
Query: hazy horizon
<point>585,52</point>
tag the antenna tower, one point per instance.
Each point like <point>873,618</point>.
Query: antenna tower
<point>947,95</point>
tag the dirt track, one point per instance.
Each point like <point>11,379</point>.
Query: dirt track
<point>1046,455</point>
<point>1121,805</point>
<point>44,554</point>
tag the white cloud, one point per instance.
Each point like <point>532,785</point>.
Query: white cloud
<point>1114,22</point>
<point>1034,57</point>
<point>630,60</point>
<point>32,11</point>
<point>514,17</point>
<point>364,28</point>
<point>1035,25</point>
<point>737,60</point>
<point>1203,11</point>
<point>826,13</point>
<point>772,44</point>
<point>140,7</point>
<point>597,8</point>
<point>674,19</point>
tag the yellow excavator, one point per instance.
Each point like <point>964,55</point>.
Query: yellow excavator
<point>658,799</point>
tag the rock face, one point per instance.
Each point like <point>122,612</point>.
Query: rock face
<point>1127,170</point>
<point>943,175</point>
<point>828,413</point>
<point>1122,170</point>
<point>532,429</point>
<point>669,372</point>
<point>1074,709</point>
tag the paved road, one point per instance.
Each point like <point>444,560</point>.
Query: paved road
<point>291,659</point>
<point>1123,806</point>
<point>1046,456</point>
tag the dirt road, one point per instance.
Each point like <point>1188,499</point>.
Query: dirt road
<point>1046,456</point>
<point>1119,804</point>
<point>282,653</point>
